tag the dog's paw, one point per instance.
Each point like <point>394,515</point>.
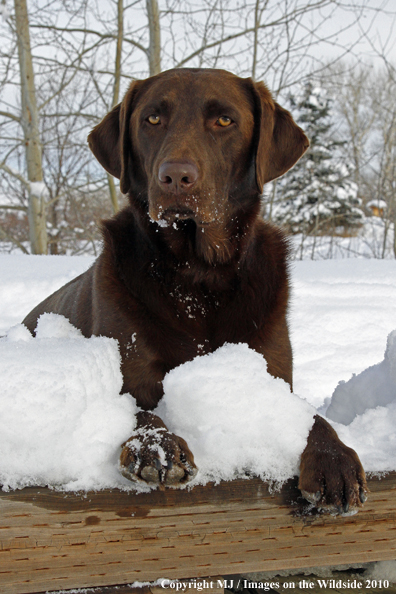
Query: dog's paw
<point>157,457</point>
<point>331,475</point>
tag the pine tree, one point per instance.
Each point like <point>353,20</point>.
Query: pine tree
<point>318,196</point>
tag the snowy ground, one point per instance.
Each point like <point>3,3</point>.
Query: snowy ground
<point>341,314</point>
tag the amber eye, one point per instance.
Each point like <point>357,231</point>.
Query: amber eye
<point>224,121</point>
<point>154,119</point>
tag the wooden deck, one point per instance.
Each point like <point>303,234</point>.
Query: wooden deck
<point>51,540</point>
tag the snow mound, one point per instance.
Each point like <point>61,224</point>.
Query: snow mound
<point>372,436</point>
<point>363,412</point>
<point>375,386</point>
<point>235,416</point>
<point>62,418</point>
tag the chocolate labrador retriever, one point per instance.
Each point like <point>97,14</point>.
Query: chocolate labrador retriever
<point>190,264</point>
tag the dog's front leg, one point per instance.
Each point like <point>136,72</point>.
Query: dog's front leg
<point>155,456</point>
<point>331,474</point>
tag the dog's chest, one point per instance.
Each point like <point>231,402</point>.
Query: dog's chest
<point>204,320</point>
<point>196,307</point>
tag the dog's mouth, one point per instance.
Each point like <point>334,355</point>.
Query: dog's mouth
<point>173,215</point>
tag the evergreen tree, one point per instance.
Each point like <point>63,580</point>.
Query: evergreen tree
<point>318,196</point>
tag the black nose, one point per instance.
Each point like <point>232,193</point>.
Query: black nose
<point>177,176</point>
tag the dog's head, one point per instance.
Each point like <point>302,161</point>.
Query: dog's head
<point>197,144</point>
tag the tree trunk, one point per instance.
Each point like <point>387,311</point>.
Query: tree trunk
<point>120,34</point>
<point>116,92</point>
<point>155,37</point>
<point>255,40</point>
<point>29,120</point>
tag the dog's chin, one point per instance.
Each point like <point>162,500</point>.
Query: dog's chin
<point>213,243</point>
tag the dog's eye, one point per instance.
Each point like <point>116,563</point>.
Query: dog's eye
<point>154,119</point>
<point>224,121</point>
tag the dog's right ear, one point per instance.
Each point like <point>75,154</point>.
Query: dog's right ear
<point>110,140</point>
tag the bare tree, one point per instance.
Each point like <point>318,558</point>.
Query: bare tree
<point>30,125</point>
<point>116,90</point>
<point>154,52</point>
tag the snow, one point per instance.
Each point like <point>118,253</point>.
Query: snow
<point>26,280</point>
<point>377,203</point>
<point>235,416</point>
<point>341,314</point>
<point>363,411</point>
<point>63,419</point>
<point>374,387</point>
<point>38,189</point>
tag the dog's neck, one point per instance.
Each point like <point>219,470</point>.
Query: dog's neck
<point>212,245</point>
<point>210,255</point>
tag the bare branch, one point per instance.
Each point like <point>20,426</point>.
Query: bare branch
<point>11,116</point>
<point>15,174</point>
<point>91,32</point>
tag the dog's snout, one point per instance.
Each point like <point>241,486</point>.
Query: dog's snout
<point>177,176</point>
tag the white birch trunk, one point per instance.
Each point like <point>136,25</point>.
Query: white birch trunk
<point>116,92</point>
<point>29,120</point>
<point>155,37</point>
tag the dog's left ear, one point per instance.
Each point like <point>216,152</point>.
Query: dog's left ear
<point>110,140</point>
<point>280,142</point>
<point>104,142</point>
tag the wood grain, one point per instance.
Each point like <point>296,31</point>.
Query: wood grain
<point>51,540</point>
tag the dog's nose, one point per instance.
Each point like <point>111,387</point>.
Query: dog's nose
<point>177,176</point>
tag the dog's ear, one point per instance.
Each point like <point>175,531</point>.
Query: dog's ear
<point>104,142</point>
<point>280,141</point>
<point>110,140</point>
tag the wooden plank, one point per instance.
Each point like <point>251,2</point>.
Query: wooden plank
<point>51,540</point>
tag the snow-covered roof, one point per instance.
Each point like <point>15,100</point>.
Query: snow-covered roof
<point>377,204</point>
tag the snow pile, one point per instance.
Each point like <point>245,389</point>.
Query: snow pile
<point>235,416</point>
<point>363,411</point>
<point>62,418</point>
<point>372,436</point>
<point>375,386</point>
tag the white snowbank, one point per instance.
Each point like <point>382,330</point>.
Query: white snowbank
<point>363,412</point>
<point>62,418</point>
<point>372,436</point>
<point>235,416</point>
<point>375,386</point>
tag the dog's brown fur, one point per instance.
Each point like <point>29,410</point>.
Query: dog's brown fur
<point>215,273</point>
